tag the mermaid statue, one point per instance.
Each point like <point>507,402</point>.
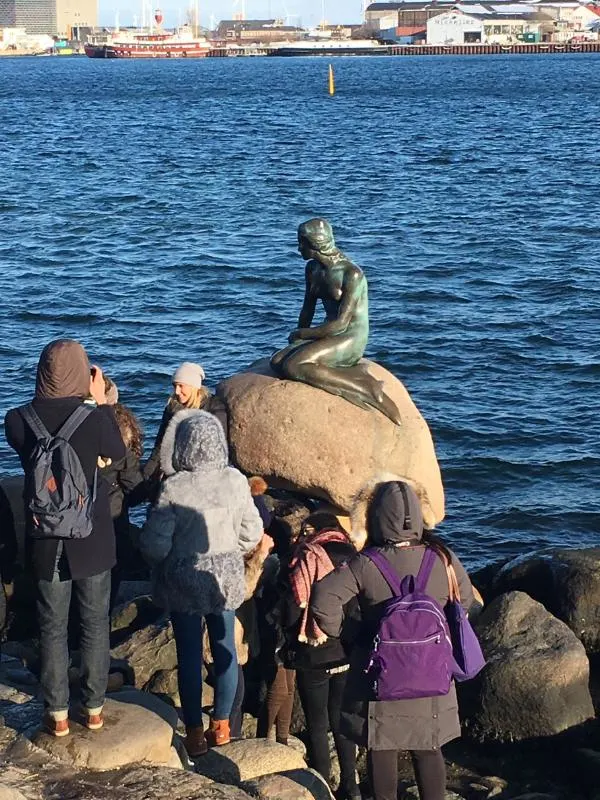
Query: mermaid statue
<point>327,356</point>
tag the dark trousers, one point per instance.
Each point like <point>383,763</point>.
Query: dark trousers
<point>188,630</point>
<point>321,697</point>
<point>53,602</point>
<point>278,706</point>
<point>429,767</point>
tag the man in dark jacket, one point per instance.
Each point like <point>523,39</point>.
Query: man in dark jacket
<point>61,565</point>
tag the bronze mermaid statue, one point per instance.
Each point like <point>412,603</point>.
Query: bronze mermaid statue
<point>327,356</point>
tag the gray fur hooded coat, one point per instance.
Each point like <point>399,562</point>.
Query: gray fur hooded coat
<point>203,523</point>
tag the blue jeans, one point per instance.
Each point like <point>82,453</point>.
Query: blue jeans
<point>53,603</point>
<point>188,630</point>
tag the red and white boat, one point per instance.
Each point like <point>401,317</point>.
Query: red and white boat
<point>124,44</point>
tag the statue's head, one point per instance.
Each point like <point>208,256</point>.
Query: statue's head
<point>315,238</point>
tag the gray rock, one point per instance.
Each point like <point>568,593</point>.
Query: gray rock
<point>131,734</point>
<point>314,442</point>
<point>412,793</point>
<point>164,682</point>
<point>7,793</point>
<point>148,651</point>
<point>536,679</point>
<point>143,783</point>
<point>566,582</point>
<point>247,759</point>
<point>295,784</point>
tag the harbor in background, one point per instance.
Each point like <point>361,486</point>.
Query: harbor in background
<point>437,27</point>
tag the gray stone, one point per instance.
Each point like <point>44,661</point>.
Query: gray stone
<point>412,793</point>
<point>566,582</point>
<point>131,734</point>
<point>7,793</point>
<point>144,783</point>
<point>247,759</point>
<point>536,679</point>
<point>148,651</point>
<point>295,784</point>
<point>165,682</point>
<point>314,442</point>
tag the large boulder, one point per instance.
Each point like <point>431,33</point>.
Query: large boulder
<point>295,784</point>
<point>148,651</point>
<point>246,759</point>
<point>308,440</point>
<point>131,734</point>
<point>536,679</point>
<point>566,582</point>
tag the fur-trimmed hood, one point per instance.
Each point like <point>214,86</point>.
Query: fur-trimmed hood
<point>362,501</point>
<point>194,441</point>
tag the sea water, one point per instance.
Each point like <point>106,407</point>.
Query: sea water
<point>149,209</point>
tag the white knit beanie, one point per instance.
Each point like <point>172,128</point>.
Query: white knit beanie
<point>190,374</point>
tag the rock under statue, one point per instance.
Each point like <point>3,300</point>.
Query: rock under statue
<point>327,356</point>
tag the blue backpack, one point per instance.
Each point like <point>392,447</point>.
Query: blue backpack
<point>56,490</point>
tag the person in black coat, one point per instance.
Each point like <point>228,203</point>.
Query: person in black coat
<point>322,666</point>
<point>126,489</point>
<point>65,566</point>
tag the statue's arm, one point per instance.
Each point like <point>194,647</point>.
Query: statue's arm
<point>349,300</point>
<point>309,305</point>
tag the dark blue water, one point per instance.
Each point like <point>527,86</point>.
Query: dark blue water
<point>149,210</point>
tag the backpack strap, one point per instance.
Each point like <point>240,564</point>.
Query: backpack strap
<point>425,570</point>
<point>35,423</point>
<point>386,569</point>
<point>81,413</point>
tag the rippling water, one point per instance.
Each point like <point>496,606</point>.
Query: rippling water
<point>149,209</point>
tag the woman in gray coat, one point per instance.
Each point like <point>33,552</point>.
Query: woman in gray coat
<point>196,536</point>
<point>423,725</point>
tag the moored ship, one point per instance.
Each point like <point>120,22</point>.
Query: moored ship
<point>180,44</point>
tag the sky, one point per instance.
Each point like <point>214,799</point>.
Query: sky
<point>305,12</point>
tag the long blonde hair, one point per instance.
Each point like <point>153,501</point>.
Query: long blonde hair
<point>197,399</point>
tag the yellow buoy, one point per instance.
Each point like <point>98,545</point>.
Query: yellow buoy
<point>331,81</point>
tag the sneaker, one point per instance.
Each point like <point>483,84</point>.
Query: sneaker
<point>56,727</point>
<point>218,734</point>
<point>195,741</point>
<point>92,718</point>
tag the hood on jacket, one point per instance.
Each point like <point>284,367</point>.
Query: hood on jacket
<point>364,497</point>
<point>193,442</point>
<point>394,514</point>
<point>63,371</point>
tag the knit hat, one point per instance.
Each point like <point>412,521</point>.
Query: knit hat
<point>189,373</point>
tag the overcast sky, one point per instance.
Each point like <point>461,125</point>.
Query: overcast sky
<point>309,12</point>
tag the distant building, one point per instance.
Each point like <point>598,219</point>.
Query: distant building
<point>383,16</point>
<point>36,16</point>
<point>490,23</point>
<point>50,17</point>
<point>454,27</point>
<point>75,14</point>
<point>17,39</point>
<point>257,30</point>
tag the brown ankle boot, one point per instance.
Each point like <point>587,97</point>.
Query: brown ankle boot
<point>218,733</point>
<point>195,741</point>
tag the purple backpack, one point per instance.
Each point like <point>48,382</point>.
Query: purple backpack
<point>412,651</point>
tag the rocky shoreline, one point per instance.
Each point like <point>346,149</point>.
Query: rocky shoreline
<point>529,726</point>
<point>530,730</point>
